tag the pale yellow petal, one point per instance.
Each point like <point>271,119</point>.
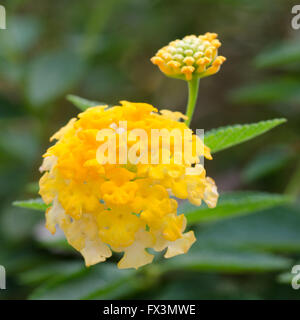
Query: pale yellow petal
<point>181,245</point>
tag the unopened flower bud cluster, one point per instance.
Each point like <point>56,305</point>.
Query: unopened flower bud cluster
<point>190,57</point>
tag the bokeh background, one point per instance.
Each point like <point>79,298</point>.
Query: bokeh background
<point>100,50</point>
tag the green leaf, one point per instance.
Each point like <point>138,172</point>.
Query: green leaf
<point>81,103</point>
<point>53,74</point>
<point>277,90</point>
<point>18,225</point>
<point>284,53</point>
<point>22,34</point>
<point>226,260</point>
<point>275,230</point>
<point>20,259</point>
<point>203,286</point>
<point>35,204</point>
<point>49,270</point>
<point>286,277</point>
<point>100,281</point>
<point>266,162</point>
<point>225,137</point>
<point>232,204</point>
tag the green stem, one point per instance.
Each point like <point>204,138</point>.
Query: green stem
<point>193,94</point>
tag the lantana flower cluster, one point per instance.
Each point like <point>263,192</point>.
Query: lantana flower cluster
<point>129,208</point>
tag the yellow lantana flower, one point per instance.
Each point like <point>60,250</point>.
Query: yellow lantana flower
<point>105,207</point>
<point>190,57</point>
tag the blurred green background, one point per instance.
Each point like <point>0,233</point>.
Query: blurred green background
<point>100,50</point>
